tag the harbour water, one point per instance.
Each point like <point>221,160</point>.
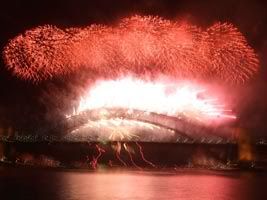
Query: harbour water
<point>21,183</point>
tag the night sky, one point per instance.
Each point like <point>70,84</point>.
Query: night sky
<point>26,106</point>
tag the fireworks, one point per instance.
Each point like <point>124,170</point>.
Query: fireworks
<point>146,108</point>
<point>116,129</point>
<point>145,46</point>
<point>131,109</point>
<point>178,100</point>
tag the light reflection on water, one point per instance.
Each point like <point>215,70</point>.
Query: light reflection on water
<point>193,184</point>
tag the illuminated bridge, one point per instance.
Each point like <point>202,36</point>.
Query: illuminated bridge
<point>126,125</point>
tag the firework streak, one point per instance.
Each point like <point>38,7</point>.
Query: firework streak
<point>145,46</point>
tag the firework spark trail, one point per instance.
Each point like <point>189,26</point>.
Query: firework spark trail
<point>119,158</point>
<point>94,161</point>
<point>117,149</point>
<point>128,150</point>
<point>145,46</point>
<point>143,156</point>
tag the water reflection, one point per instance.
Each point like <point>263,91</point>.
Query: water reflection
<point>158,186</point>
<point>41,184</point>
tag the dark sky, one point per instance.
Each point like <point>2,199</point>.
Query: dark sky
<point>23,104</point>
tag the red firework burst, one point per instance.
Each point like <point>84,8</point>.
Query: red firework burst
<point>138,45</point>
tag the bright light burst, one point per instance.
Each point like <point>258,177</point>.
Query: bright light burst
<point>173,99</point>
<point>117,129</point>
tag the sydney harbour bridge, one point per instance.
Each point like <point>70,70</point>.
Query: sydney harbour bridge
<point>129,137</point>
<point>124,136</point>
